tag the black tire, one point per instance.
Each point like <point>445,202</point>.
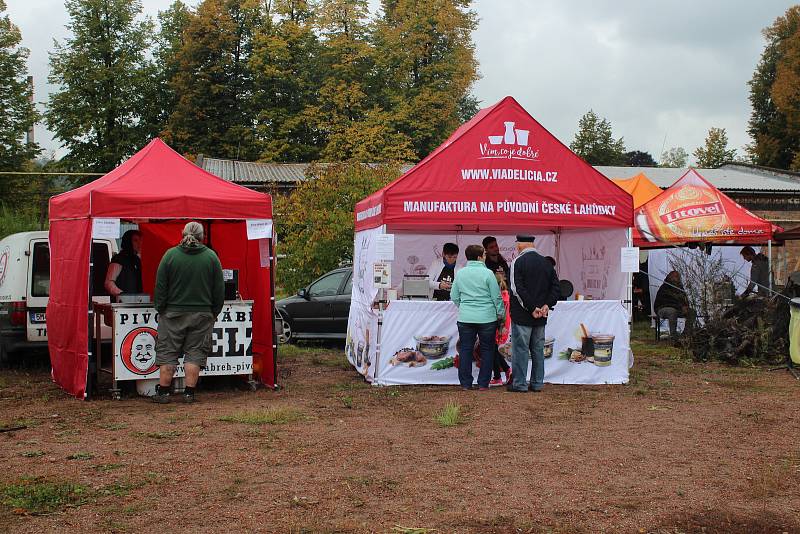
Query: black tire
<point>286,332</point>
<point>5,357</point>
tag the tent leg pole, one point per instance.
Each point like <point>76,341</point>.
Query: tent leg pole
<point>769,273</point>
<point>90,315</point>
<point>273,264</point>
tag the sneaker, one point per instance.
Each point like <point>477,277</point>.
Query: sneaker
<point>495,382</point>
<point>162,395</point>
<point>188,397</point>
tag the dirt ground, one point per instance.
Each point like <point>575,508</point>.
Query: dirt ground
<point>683,448</point>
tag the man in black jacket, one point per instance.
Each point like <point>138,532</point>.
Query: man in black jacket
<point>534,290</point>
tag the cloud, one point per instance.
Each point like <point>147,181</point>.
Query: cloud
<point>654,69</point>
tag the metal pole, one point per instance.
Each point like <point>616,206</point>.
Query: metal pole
<point>273,261</point>
<point>769,249</point>
<point>630,282</point>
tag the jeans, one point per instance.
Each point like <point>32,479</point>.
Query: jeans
<point>527,341</point>
<point>467,332</point>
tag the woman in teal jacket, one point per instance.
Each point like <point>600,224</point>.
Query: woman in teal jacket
<point>476,293</point>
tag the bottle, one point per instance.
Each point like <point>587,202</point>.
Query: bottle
<point>510,137</point>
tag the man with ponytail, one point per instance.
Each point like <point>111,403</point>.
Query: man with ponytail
<point>189,295</point>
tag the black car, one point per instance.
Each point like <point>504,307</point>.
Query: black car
<point>318,311</point>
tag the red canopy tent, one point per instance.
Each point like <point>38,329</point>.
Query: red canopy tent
<point>159,189</point>
<point>693,210</point>
<point>501,170</point>
<point>501,173</point>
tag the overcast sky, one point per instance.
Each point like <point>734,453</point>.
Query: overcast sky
<point>662,72</point>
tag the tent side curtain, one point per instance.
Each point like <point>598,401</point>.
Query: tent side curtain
<point>67,313</point>
<point>693,210</point>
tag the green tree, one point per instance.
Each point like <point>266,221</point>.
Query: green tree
<point>169,41</point>
<point>18,113</point>
<point>320,239</point>
<point>675,157</point>
<point>638,158</point>
<point>347,115</point>
<point>595,143</point>
<point>715,152</point>
<point>775,98</point>
<point>214,83</point>
<point>286,65</point>
<point>425,66</point>
<point>103,78</point>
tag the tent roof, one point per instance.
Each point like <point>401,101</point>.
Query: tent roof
<point>159,183</point>
<point>692,209</point>
<point>500,170</point>
<point>640,187</point>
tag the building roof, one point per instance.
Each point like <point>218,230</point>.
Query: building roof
<point>731,177</point>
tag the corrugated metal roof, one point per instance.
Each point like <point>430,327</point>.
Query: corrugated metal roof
<point>730,177</point>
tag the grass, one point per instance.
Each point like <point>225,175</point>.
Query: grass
<point>347,402</point>
<point>32,454</point>
<point>37,496</point>
<point>450,415</point>
<point>277,415</point>
<point>80,456</point>
<point>168,434</point>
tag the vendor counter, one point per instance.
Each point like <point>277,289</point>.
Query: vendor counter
<point>406,323</point>
<point>134,330</point>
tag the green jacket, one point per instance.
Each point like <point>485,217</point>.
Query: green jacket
<point>189,279</point>
<point>477,295</point>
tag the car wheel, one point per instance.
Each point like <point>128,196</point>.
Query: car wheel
<point>284,331</point>
<point>5,358</point>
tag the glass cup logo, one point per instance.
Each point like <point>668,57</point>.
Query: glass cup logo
<point>692,212</point>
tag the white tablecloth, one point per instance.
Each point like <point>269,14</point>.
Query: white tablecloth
<point>403,319</point>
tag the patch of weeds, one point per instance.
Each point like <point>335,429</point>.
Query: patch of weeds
<point>450,415</point>
<point>80,456</point>
<point>166,434</point>
<point>108,467</point>
<point>21,422</point>
<point>38,496</point>
<point>412,530</point>
<point>277,415</point>
<point>33,454</point>
<point>115,426</point>
<point>347,402</point>
<point>117,489</point>
<point>134,509</point>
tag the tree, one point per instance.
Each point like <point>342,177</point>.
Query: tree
<point>286,65</point>
<point>774,95</point>
<point>214,83</point>
<point>594,141</point>
<point>675,157</point>
<point>715,152</point>
<point>168,43</point>
<point>103,78</point>
<point>637,158</point>
<point>320,239</point>
<point>18,112</point>
<point>425,65</point>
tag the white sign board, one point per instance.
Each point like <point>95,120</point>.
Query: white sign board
<point>382,273</point>
<point>384,247</point>
<point>103,228</point>
<point>629,259</point>
<point>136,332</point>
<point>259,228</point>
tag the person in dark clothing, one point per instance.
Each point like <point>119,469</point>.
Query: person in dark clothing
<point>671,303</point>
<point>534,289</point>
<point>189,295</point>
<point>759,273</point>
<point>494,260</point>
<point>442,272</point>
<point>124,273</point>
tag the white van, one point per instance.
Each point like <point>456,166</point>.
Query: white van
<point>25,287</point>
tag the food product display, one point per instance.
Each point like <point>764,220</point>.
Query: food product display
<point>433,347</point>
<point>444,363</point>
<point>548,347</point>
<point>408,356</point>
